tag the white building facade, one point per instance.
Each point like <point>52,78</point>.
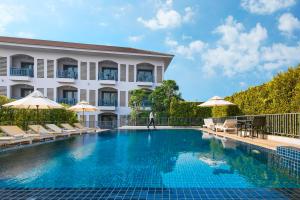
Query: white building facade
<point>73,72</point>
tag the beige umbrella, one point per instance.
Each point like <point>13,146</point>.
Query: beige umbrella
<point>216,101</point>
<point>35,100</point>
<point>83,106</point>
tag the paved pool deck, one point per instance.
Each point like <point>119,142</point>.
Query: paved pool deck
<point>268,144</point>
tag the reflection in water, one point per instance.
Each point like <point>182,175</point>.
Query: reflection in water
<point>164,158</point>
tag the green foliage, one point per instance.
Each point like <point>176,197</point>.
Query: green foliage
<point>136,98</point>
<point>22,117</point>
<point>225,111</point>
<point>187,113</point>
<point>280,95</point>
<point>162,96</point>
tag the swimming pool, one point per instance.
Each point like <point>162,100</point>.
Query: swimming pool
<point>145,159</point>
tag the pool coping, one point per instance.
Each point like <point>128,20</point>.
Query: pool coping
<point>23,146</point>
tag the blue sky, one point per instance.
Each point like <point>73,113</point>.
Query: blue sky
<point>220,47</point>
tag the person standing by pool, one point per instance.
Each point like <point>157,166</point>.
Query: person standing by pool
<point>151,119</point>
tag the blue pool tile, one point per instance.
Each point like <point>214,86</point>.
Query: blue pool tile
<point>146,193</point>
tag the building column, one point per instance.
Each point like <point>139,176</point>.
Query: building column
<point>97,73</point>
<point>8,65</point>
<point>119,72</point>
<point>134,73</point>
<point>54,93</point>
<point>34,67</point>
<point>78,70</point>
<point>154,74</point>
<point>8,91</point>
<point>54,69</point>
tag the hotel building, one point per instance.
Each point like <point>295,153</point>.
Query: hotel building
<point>72,72</point>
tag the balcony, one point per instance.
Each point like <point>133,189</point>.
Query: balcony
<point>66,76</point>
<point>108,105</point>
<point>69,101</point>
<point>145,80</point>
<point>20,74</point>
<point>108,78</point>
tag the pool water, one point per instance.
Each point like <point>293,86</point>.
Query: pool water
<point>128,158</point>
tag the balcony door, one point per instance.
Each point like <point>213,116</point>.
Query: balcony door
<point>69,94</point>
<point>109,73</point>
<point>25,92</point>
<point>26,65</point>
<point>109,98</point>
<point>145,75</point>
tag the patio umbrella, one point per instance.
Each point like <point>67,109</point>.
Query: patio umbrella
<point>83,106</point>
<point>35,100</point>
<point>216,101</point>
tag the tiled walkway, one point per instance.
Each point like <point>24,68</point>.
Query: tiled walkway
<point>148,193</point>
<point>255,141</point>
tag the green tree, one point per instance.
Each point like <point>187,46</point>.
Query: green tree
<point>163,95</point>
<point>136,100</point>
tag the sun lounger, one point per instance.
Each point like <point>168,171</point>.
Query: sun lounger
<point>208,123</point>
<point>15,131</point>
<point>229,124</point>
<point>87,129</point>
<point>67,126</point>
<point>9,140</point>
<point>61,130</point>
<point>41,130</point>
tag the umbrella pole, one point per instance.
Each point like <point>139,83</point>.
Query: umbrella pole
<point>37,117</point>
<point>83,117</point>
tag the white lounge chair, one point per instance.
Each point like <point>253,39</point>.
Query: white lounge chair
<point>208,123</point>
<point>9,140</point>
<point>228,125</point>
<point>16,132</point>
<point>87,129</point>
<point>67,126</point>
<point>41,130</point>
<point>61,130</point>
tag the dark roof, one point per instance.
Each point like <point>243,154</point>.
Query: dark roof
<point>26,41</point>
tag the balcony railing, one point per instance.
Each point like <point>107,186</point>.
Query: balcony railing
<point>67,74</point>
<point>69,101</point>
<point>143,78</point>
<point>108,76</point>
<point>14,71</point>
<point>111,102</point>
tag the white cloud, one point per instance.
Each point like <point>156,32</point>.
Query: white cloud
<point>188,51</point>
<point>189,14</point>
<point>166,17</point>
<point>237,51</point>
<point>279,55</point>
<point>135,38</point>
<point>266,6</point>
<point>287,24</point>
<point>10,13</point>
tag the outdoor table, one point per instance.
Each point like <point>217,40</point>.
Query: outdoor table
<point>243,125</point>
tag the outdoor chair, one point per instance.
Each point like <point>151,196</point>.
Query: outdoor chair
<point>86,129</point>
<point>9,140</point>
<point>15,131</point>
<point>61,130</point>
<point>258,126</point>
<point>208,123</point>
<point>41,130</point>
<point>228,125</point>
<point>68,127</point>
